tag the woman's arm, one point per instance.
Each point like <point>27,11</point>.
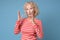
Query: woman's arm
<point>18,24</point>
<point>38,28</point>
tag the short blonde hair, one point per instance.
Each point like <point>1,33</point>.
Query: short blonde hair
<point>34,5</point>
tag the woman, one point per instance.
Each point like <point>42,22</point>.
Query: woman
<point>30,27</point>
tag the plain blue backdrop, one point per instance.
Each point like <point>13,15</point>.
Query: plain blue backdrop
<point>49,14</point>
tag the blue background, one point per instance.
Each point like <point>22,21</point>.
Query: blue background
<point>49,14</point>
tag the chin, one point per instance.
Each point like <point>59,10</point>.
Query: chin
<point>30,15</point>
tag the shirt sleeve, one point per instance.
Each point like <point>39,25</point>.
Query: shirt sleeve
<point>38,29</point>
<point>17,28</point>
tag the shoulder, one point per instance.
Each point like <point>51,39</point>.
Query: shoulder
<point>37,20</point>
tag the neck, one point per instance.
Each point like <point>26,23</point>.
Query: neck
<point>30,17</point>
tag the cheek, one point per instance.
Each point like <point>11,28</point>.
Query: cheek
<point>26,11</point>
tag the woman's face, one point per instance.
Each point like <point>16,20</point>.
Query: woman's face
<point>29,10</point>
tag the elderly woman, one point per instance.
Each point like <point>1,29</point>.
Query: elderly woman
<point>30,27</point>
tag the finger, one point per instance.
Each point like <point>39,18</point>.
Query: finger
<point>19,15</point>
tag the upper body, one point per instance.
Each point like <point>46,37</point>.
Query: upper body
<point>30,27</point>
<point>29,30</point>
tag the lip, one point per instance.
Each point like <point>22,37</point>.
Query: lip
<point>30,13</point>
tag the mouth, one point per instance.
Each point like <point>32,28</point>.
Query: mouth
<point>30,14</point>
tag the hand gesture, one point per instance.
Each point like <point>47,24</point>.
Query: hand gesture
<point>19,17</point>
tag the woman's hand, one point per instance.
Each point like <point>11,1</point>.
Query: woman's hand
<point>19,17</point>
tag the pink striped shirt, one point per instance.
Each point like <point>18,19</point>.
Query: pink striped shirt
<point>28,30</point>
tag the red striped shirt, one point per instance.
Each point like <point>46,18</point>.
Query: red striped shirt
<point>28,30</point>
